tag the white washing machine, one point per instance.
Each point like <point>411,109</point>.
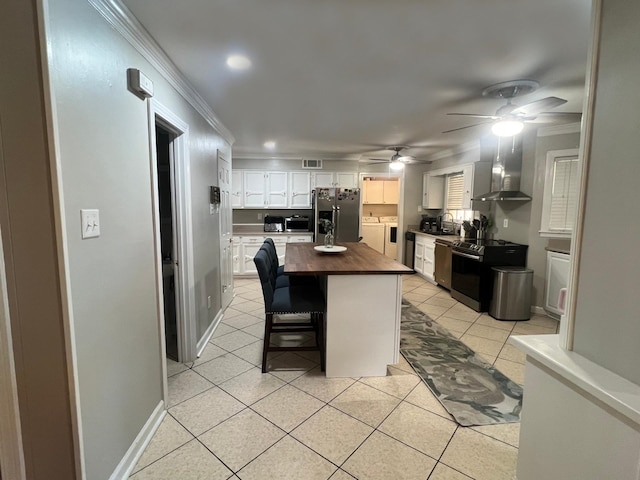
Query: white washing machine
<point>390,236</point>
<point>372,232</point>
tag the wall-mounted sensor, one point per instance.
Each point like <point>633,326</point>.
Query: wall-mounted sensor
<point>214,195</point>
<point>139,83</point>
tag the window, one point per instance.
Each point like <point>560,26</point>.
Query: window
<point>560,193</point>
<point>454,198</point>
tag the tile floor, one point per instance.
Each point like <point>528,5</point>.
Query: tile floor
<point>228,420</point>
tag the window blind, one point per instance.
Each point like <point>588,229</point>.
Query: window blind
<point>564,195</point>
<point>455,188</point>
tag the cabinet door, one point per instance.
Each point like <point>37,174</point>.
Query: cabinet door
<point>323,180</point>
<point>418,260</point>
<point>467,173</point>
<point>391,192</point>
<point>429,265</point>
<point>300,238</point>
<point>237,265</point>
<point>280,243</point>
<point>254,189</point>
<point>300,190</point>
<point>346,180</point>
<point>373,191</point>
<point>557,279</point>
<point>433,191</point>
<point>250,246</point>
<point>277,191</point>
<point>237,196</point>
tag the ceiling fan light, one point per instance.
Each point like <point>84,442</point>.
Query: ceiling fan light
<point>405,159</point>
<point>396,165</point>
<point>507,128</point>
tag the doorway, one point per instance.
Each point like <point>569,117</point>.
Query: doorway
<point>226,225</point>
<point>166,195</point>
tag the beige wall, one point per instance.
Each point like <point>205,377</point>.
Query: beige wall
<point>30,251</point>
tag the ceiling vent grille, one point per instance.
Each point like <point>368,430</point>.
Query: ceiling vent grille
<point>312,164</point>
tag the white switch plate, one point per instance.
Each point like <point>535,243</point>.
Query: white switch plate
<point>90,221</point>
<point>209,301</point>
<point>505,223</point>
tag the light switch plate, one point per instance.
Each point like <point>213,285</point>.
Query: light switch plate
<point>505,223</point>
<point>90,221</point>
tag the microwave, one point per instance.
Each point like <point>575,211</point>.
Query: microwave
<point>296,224</point>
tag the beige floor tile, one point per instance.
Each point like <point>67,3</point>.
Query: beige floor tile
<point>341,475</point>
<point>365,403</point>
<point>169,436</point>
<point>529,329</point>
<point>312,356</point>
<point>416,298</point>
<point>489,321</point>
<point>287,407</point>
<point>230,312</point>
<point>418,428</point>
<point>403,365</point>
<point>513,370</point>
<point>488,359</point>
<point>422,397</point>
<point>426,289</point>
<point>252,385</point>
<point>222,329</point>
<point>456,333</point>
<point>252,295</point>
<point>223,368</point>
<point>544,321</point>
<point>288,460</point>
<point>317,384</point>
<point>257,330</point>
<point>233,340</point>
<point>186,385</point>
<point>206,410</point>
<point>397,382</point>
<point>248,306</point>
<point>441,301</point>
<point>506,432</point>
<point>489,333</point>
<point>509,352</point>
<point>241,438</point>
<point>210,352</point>
<point>288,366</point>
<point>237,300</point>
<point>332,434</point>
<point>482,345</point>
<point>243,320</point>
<point>190,462</point>
<point>479,456</point>
<point>381,458</point>
<point>442,472</point>
<point>434,311</point>
<point>252,353</point>
<point>465,313</point>
<point>453,323</point>
<point>174,367</point>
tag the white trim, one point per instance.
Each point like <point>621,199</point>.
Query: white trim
<point>552,156</point>
<point>121,18</point>
<point>61,241</point>
<point>559,130</point>
<point>135,451</point>
<point>183,229</point>
<point>554,234</point>
<point>11,452</point>
<point>202,343</point>
<point>536,310</point>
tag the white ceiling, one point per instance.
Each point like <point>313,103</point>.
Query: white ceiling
<point>344,78</point>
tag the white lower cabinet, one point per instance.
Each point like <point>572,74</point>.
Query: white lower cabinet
<point>245,248</point>
<point>424,259</point>
<point>236,255</point>
<point>557,279</point>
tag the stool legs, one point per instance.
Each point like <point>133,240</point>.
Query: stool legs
<point>268,324</point>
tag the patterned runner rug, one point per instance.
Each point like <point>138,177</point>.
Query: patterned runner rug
<point>474,392</point>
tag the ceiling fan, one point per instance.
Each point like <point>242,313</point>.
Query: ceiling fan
<point>397,160</point>
<point>509,119</point>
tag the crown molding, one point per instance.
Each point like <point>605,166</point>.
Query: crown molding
<point>121,18</point>
<point>292,156</point>
<point>559,129</point>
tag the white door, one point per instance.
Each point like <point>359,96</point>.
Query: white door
<point>226,225</point>
<point>277,191</point>
<point>300,190</point>
<point>254,189</point>
<point>236,189</point>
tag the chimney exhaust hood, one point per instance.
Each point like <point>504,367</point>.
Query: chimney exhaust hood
<point>505,171</point>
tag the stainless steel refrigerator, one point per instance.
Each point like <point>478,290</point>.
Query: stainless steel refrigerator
<point>341,206</point>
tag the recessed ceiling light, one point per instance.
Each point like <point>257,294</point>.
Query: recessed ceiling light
<point>270,144</point>
<point>238,62</point>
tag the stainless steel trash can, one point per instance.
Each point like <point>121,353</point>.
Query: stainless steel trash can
<point>511,299</point>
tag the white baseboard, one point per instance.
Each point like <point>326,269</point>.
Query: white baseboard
<point>207,335</point>
<point>124,468</point>
<point>536,310</point>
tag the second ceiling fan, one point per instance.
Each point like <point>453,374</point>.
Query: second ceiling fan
<point>398,160</point>
<point>509,119</point>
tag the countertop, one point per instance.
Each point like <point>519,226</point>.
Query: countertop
<point>358,259</point>
<point>258,229</point>
<point>443,238</point>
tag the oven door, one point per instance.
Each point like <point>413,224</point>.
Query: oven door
<point>466,279</point>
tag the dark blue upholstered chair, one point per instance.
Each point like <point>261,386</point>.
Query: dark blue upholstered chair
<point>283,280</point>
<point>289,300</point>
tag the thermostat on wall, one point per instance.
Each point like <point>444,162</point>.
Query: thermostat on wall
<point>139,82</point>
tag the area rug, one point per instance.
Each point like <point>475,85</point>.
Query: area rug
<point>472,391</point>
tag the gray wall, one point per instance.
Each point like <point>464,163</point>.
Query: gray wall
<point>607,326</point>
<point>31,252</point>
<point>104,155</point>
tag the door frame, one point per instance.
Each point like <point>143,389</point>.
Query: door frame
<point>225,212</point>
<point>183,232</point>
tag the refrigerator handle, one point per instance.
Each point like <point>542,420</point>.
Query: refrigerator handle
<point>336,224</point>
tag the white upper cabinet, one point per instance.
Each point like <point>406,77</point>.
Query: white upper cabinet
<point>467,188</point>
<point>254,189</point>
<point>433,191</point>
<point>346,179</point>
<point>277,190</point>
<point>323,180</point>
<point>335,179</point>
<point>300,190</point>
<point>237,193</point>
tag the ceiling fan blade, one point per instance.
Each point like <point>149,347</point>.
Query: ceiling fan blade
<point>555,117</point>
<point>534,108</point>
<point>468,126</point>
<point>491,117</point>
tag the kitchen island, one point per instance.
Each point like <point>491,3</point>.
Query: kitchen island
<point>363,289</point>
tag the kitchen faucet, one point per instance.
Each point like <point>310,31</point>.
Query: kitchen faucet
<point>443,216</point>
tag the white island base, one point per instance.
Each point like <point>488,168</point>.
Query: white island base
<point>362,324</point>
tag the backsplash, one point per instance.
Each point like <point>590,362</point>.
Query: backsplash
<point>251,215</point>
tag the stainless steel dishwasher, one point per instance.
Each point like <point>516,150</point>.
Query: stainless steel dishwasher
<point>443,264</point>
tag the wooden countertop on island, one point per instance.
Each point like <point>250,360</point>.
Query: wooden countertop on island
<point>358,259</point>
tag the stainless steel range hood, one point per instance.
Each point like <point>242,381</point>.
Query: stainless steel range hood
<point>506,170</point>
